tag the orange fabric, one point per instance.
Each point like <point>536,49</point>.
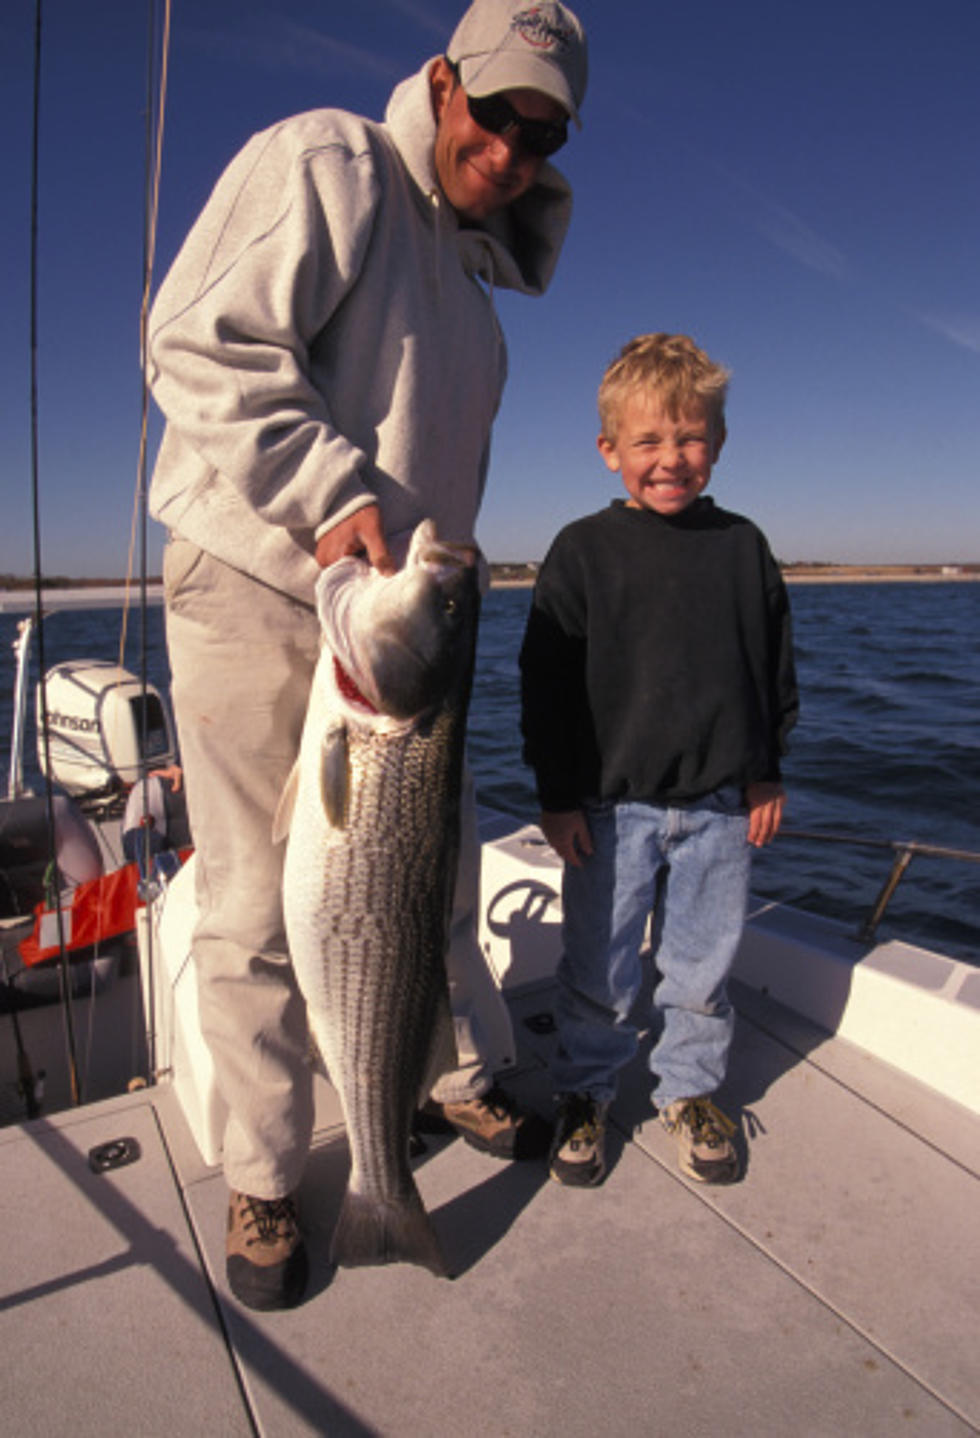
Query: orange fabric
<point>100,909</point>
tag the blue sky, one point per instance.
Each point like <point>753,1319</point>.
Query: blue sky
<point>794,185</point>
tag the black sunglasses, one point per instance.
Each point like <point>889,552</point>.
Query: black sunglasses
<point>496,115</point>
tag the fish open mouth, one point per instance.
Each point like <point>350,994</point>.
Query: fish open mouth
<point>349,689</point>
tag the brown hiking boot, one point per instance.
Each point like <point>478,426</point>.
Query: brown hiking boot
<point>705,1151</point>
<point>494,1123</point>
<point>265,1257</point>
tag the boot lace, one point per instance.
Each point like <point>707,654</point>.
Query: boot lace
<point>500,1103</point>
<point>271,1219</point>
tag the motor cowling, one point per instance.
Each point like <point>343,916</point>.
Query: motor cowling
<point>105,727</point>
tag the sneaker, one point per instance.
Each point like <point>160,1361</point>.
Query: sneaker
<point>265,1257</point>
<point>704,1139</point>
<point>578,1151</point>
<point>494,1123</point>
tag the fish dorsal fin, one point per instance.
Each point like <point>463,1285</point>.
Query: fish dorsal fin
<point>287,803</point>
<point>335,775</point>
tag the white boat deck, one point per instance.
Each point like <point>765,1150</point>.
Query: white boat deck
<point>834,1290</point>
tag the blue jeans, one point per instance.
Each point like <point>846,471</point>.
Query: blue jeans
<point>704,852</point>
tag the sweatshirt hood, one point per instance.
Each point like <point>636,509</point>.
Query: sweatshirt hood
<point>515,249</point>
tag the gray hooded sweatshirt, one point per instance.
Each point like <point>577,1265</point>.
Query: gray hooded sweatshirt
<point>326,339</point>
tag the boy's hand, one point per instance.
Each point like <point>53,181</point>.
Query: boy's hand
<point>172,775</point>
<point>568,834</point>
<point>765,804</point>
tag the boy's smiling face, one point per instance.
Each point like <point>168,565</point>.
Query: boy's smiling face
<point>665,463</point>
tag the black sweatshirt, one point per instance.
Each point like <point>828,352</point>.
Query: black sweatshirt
<point>657,663</point>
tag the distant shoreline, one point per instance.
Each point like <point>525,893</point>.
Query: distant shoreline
<point>870,576</point>
<point>107,594</point>
<point>829,574</point>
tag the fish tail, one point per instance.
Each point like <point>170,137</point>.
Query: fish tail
<point>374,1231</point>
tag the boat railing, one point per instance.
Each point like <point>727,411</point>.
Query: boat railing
<point>904,850</point>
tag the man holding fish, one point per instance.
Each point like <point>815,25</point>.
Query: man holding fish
<point>327,356</point>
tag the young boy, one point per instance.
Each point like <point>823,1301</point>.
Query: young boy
<point>658,689</point>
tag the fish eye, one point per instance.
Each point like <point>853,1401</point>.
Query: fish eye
<point>450,606</point>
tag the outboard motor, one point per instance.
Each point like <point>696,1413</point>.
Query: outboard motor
<point>104,728</point>
<point>105,731</point>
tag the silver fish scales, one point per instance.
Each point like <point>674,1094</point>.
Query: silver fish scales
<point>370,870</point>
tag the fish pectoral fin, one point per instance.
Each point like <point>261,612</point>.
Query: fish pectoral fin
<point>287,803</point>
<point>335,775</point>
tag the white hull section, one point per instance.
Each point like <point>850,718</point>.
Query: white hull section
<point>911,1008</point>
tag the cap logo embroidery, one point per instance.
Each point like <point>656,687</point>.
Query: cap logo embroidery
<point>542,31</point>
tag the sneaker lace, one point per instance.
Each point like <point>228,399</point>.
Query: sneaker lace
<point>271,1218</point>
<point>580,1120</point>
<point>706,1121</point>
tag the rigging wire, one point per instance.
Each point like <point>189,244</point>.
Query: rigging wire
<point>155,109</point>
<point>64,973</point>
<point>154,147</point>
<point>153,143</point>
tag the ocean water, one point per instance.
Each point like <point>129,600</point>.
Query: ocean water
<point>887,747</point>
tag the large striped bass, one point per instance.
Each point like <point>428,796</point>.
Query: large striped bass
<point>372,812</point>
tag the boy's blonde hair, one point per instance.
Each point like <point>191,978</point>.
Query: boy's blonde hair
<point>681,374</point>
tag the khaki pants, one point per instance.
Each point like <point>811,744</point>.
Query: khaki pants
<point>242,657</point>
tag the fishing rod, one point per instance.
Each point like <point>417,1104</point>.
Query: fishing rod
<point>64,977</point>
<point>29,1085</point>
<point>156,91</point>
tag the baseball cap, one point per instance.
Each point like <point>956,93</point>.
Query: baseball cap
<point>510,45</point>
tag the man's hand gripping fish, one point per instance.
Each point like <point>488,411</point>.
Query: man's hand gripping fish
<point>372,813</point>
